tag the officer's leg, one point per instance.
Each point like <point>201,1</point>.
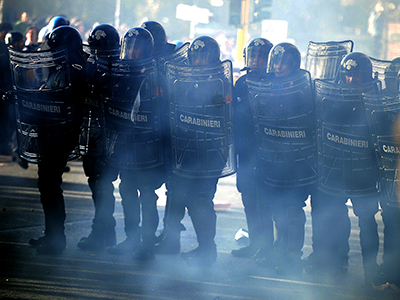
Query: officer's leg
<point>365,209</point>
<point>201,211</point>
<point>148,199</point>
<point>170,244</point>
<point>391,242</point>
<point>330,247</point>
<point>131,207</point>
<point>149,181</point>
<point>100,180</point>
<point>50,171</point>
<point>258,218</point>
<point>290,220</point>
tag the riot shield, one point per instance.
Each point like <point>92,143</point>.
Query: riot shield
<point>284,114</point>
<point>131,114</point>
<point>323,58</point>
<point>44,109</point>
<point>92,131</point>
<point>346,159</point>
<point>201,120</point>
<point>385,71</point>
<point>382,113</point>
<point>178,56</point>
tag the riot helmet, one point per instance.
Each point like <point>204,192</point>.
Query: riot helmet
<point>256,55</point>
<point>137,44</point>
<point>15,40</point>
<point>42,34</point>
<point>64,36</point>
<point>57,21</point>
<point>203,50</point>
<point>355,68</point>
<point>104,36</point>
<point>392,76</point>
<point>158,33</point>
<point>284,60</point>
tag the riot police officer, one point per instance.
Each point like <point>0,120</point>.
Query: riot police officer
<point>201,142</point>
<point>5,86</point>
<point>55,142</point>
<point>284,111</point>
<point>104,50</point>
<point>168,242</point>
<point>14,40</point>
<point>323,62</point>
<point>161,45</point>
<point>135,150</point>
<point>382,112</point>
<point>347,169</point>
<point>257,208</point>
<point>54,22</point>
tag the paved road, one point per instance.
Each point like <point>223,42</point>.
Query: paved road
<point>81,274</point>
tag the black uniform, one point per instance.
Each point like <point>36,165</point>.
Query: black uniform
<point>6,108</point>
<point>55,117</point>
<point>382,112</point>
<point>201,142</point>
<point>133,141</point>
<point>168,242</point>
<point>347,167</point>
<point>284,111</point>
<point>249,181</point>
<point>104,50</point>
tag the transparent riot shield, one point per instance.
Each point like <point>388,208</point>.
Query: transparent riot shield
<point>346,159</point>
<point>323,58</point>
<point>387,73</point>
<point>91,135</point>
<point>382,113</point>
<point>44,109</point>
<point>284,114</point>
<point>378,68</point>
<point>201,120</point>
<point>178,56</point>
<point>131,114</point>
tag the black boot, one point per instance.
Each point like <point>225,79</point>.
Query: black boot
<point>144,253</point>
<point>101,237</point>
<point>170,244</point>
<point>130,245</point>
<point>201,256</point>
<point>94,241</point>
<point>37,242</point>
<point>52,244</point>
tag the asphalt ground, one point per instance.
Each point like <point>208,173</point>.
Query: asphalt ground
<point>78,274</point>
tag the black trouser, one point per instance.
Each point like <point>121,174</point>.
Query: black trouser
<point>331,226</point>
<point>391,241</point>
<point>257,208</point>
<point>197,195</point>
<point>289,217</point>
<point>50,172</point>
<point>101,185</point>
<point>365,208</point>
<point>146,182</point>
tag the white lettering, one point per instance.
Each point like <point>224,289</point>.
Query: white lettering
<point>41,107</point>
<point>127,116</point>
<point>391,149</point>
<point>297,134</point>
<point>199,122</point>
<point>347,141</point>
